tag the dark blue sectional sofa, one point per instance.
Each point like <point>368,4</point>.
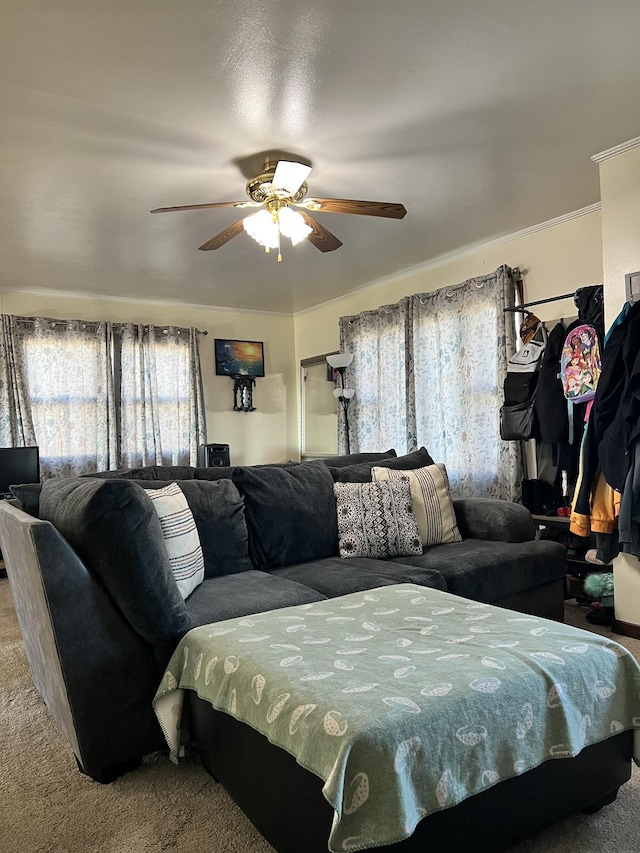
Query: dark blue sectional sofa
<point>100,612</point>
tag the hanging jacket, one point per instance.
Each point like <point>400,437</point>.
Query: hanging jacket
<point>616,447</point>
<point>590,304</point>
<point>602,514</point>
<point>551,404</point>
<point>629,533</point>
<point>603,412</point>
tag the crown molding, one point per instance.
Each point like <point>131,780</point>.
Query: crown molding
<point>610,153</point>
<point>459,254</point>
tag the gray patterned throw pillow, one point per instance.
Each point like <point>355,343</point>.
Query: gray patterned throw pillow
<point>376,519</point>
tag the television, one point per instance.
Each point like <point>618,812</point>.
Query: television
<point>239,358</point>
<point>18,465</point>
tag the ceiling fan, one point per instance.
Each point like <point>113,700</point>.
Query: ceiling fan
<point>278,189</point>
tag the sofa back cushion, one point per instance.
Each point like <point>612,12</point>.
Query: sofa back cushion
<point>361,473</point>
<point>290,512</point>
<point>148,472</point>
<point>218,511</point>
<point>115,530</point>
<point>226,472</point>
<point>356,458</point>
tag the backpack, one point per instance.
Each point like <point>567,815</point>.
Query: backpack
<point>529,357</point>
<point>580,364</point>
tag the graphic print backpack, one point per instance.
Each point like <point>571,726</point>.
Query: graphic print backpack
<point>580,365</point>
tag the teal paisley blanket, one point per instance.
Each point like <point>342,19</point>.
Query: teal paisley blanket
<point>406,700</point>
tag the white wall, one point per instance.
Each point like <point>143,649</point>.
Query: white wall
<point>620,193</point>
<point>269,434</point>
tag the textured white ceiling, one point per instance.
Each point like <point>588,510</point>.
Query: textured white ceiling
<point>480,117</point>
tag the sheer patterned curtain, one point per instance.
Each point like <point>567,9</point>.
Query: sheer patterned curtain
<point>378,411</point>
<point>16,423</point>
<point>161,405</point>
<point>429,371</point>
<point>461,339</point>
<point>67,373</point>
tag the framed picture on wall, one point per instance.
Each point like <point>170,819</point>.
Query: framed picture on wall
<point>239,358</point>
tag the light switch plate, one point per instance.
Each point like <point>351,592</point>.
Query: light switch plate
<point>632,286</point>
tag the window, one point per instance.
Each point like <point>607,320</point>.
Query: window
<point>103,396</point>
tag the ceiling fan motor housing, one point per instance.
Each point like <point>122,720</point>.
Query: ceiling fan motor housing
<point>261,188</point>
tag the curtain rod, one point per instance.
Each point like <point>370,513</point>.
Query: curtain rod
<point>523,308</point>
<point>118,323</point>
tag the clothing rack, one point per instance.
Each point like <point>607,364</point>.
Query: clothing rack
<point>522,309</point>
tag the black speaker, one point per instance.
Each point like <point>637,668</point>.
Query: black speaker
<point>214,455</point>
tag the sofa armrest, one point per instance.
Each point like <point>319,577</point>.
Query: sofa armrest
<point>493,519</point>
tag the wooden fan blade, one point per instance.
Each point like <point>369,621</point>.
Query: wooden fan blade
<point>223,237</point>
<point>203,206</point>
<point>349,205</point>
<point>320,237</point>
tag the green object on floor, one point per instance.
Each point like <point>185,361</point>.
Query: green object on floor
<point>600,585</point>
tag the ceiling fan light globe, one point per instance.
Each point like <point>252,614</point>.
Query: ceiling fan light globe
<point>263,229</point>
<point>293,226</point>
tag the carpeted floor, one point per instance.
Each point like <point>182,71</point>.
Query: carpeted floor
<point>47,806</point>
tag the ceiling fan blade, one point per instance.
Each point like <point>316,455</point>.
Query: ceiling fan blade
<point>224,236</point>
<point>320,237</point>
<point>349,205</point>
<point>212,204</point>
<point>290,176</point>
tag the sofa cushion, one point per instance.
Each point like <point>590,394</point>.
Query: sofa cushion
<point>243,594</point>
<point>494,519</point>
<point>218,510</point>
<point>361,473</point>
<point>489,571</point>
<point>335,576</point>
<point>148,472</point>
<point>226,472</point>
<point>431,501</point>
<point>290,512</point>
<point>356,458</point>
<point>376,519</point>
<point>180,536</point>
<point>115,530</point>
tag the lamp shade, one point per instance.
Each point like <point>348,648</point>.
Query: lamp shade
<point>343,393</point>
<point>340,360</point>
<point>263,228</point>
<point>292,225</point>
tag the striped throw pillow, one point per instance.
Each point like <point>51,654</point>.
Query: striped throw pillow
<point>431,501</point>
<point>180,536</point>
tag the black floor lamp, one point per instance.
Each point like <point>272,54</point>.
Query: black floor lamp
<point>339,362</point>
